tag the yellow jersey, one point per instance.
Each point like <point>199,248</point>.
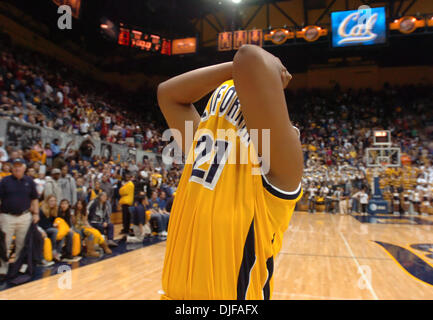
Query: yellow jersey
<point>227,221</point>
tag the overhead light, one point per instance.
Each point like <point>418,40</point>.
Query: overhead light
<point>236,1</point>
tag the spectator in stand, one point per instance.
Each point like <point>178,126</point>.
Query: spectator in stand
<point>59,160</point>
<point>363,200</point>
<point>355,200</point>
<point>159,216</point>
<point>49,154</point>
<point>100,217</point>
<point>133,168</point>
<point>107,187</point>
<point>344,202</point>
<point>55,148</point>
<point>327,193</point>
<point>338,194</point>
<point>126,193</point>
<point>6,170</point>
<point>81,189</point>
<point>37,153</point>
<point>3,153</point>
<point>163,200</point>
<point>65,212</point>
<point>47,214</point>
<point>170,203</point>
<point>19,208</point>
<point>68,186</point>
<point>94,192</point>
<point>312,190</point>
<point>84,127</point>
<point>86,149</point>
<point>40,185</point>
<point>139,226</point>
<point>87,232</point>
<point>52,185</point>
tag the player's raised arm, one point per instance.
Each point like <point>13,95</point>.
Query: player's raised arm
<point>260,79</point>
<point>177,95</point>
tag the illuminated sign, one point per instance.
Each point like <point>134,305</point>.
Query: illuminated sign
<point>279,36</point>
<point>140,40</point>
<point>358,27</point>
<point>380,133</point>
<point>407,24</point>
<point>166,47</point>
<point>184,46</point>
<point>382,137</point>
<point>124,37</point>
<point>311,33</point>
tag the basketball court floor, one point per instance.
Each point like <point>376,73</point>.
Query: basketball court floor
<point>324,256</point>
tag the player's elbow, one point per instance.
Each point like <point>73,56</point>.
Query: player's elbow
<point>162,94</point>
<point>247,56</point>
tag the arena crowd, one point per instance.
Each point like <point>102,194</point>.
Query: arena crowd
<point>84,189</point>
<point>336,128</point>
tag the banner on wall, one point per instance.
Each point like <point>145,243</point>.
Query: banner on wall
<point>255,37</point>
<point>240,38</point>
<point>225,41</point>
<point>22,136</point>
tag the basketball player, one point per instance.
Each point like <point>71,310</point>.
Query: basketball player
<point>227,220</point>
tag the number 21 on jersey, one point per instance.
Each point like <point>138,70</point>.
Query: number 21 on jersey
<point>205,150</point>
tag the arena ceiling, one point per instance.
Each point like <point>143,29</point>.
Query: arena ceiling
<point>205,18</point>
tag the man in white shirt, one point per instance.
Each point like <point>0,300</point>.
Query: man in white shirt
<point>343,203</point>
<point>84,127</point>
<point>312,195</point>
<point>48,88</point>
<point>363,199</point>
<point>40,183</point>
<point>59,97</point>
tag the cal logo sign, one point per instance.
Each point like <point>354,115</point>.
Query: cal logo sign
<point>358,27</point>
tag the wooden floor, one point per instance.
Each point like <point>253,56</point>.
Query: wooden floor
<point>323,257</point>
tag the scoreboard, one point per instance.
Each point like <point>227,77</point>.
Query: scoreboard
<point>382,137</point>
<point>150,42</point>
<point>143,41</point>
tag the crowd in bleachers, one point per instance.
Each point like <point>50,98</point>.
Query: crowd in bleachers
<point>77,200</point>
<point>32,91</point>
<point>336,128</point>
<point>79,191</point>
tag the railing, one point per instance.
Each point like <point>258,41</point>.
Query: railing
<point>23,135</point>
